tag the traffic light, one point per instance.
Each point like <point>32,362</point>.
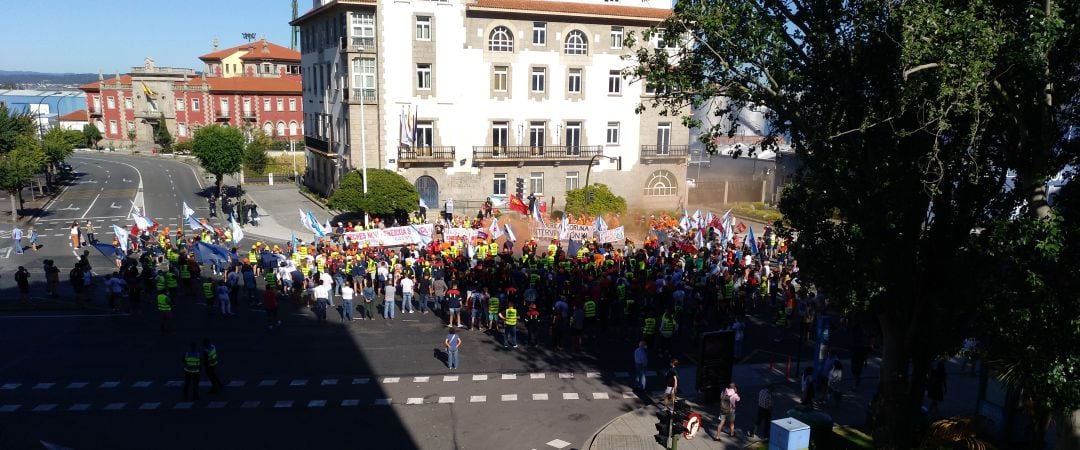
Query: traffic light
<point>671,423</point>
<point>520,183</point>
<point>590,195</point>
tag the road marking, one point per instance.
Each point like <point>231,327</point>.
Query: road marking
<point>113,205</point>
<point>566,375</point>
<point>115,406</point>
<point>350,402</point>
<point>250,404</point>
<point>446,399</point>
<point>629,395</point>
<point>174,383</point>
<point>329,382</point>
<point>382,402</point>
<point>99,218</point>
<point>509,397</point>
<point>558,443</point>
<point>298,383</point>
<point>43,386</point>
<point>420,379</point>
<point>141,384</point>
<point>63,316</point>
<point>79,407</point>
<point>77,385</point>
<point>360,380</point>
<point>509,376</point>
<point>9,408</point>
<point>537,376</point>
<point>283,404</point>
<point>10,386</point>
<point>414,401</point>
<point>622,374</point>
<point>539,396</point>
<point>183,405</point>
<point>446,378</point>
<point>109,384</point>
<point>149,406</point>
<point>57,235</point>
<point>236,383</point>
<point>44,407</point>
<point>570,396</point>
<point>479,377</point>
<point>592,374</point>
<point>88,208</point>
<point>267,382</point>
<point>217,405</point>
<point>477,399</point>
<point>390,380</point>
<point>599,396</point>
<point>316,404</point>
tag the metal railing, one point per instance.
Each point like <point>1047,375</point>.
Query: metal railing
<point>147,113</point>
<point>541,152</point>
<point>443,153</point>
<point>221,113</point>
<point>356,43</point>
<point>358,95</point>
<point>665,151</point>
<point>249,113</point>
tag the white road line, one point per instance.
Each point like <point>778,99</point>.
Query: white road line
<point>382,402</point>
<point>539,396</point>
<point>9,408</point>
<point>536,376</point>
<point>79,407</point>
<point>599,396</point>
<point>360,380</point>
<point>10,386</point>
<point>43,386</point>
<point>183,405</point>
<point>316,404</point>
<point>329,382</point>
<point>217,405</point>
<point>414,401</point>
<point>77,385</point>
<point>566,375</point>
<point>592,374</point>
<point>298,383</point>
<point>141,384</point>
<point>250,404</point>
<point>446,399</point>
<point>236,383</point>
<point>350,402</point>
<point>109,384</point>
<point>558,443</point>
<point>420,379</point>
<point>267,382</point>
<point>115,406</point>
<point>477,399</point>
<point>91,206</point>
<point>390,380</point>
<point>174,383</point>
<point>283,404</point>
<point>570,396</point>
<point>509,397</point>
<point>149,406</point>
<point>44,407</point>
<point>629,395</point>
<point>479,377</point>
<point>446,378</point>
<point>509,376</point>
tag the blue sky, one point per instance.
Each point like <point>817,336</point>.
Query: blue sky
<point>112,35</point>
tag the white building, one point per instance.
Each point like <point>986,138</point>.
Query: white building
<point>497,90</point>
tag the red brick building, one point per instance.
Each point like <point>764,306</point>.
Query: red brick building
<point>254,85</point>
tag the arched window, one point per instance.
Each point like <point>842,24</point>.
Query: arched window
<point>292,128</point>
<point>281,128</point>
<point>501,40</point>
<point>100,125</point>
<point>268,128</point>
<point>576,43</point>
<point>661,183</point>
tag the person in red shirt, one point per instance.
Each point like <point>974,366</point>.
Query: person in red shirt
<point>271,306</point>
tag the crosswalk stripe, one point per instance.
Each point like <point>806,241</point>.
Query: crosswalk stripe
<point>79,407</point>
<point>447,378</point>
<point>592,374</point>
<point>329,382</point>
<point>629,395</point>
<point>141,384</point>
<point>174,383</point>
<point>298,383</point>
<point>539,396</point>
<point>570,396</point>
<point>9,408</point>
<point>10,386</point>
<point>267,382</point>
<point>115,406</point>
<point>43,386</point>
<point>414,401</point>
<point>446,399</point>
<point>149,405</point>
<point>389,380</point>
<point>599,396</point>
<point>361,380</point>
<point>537,376</point>
<point>217,405</point>
<point>566,375</point>
<point>283,404</point>
<point>183,405</point>
<point>477,398</point>
<point>382,402</point>
<point>316,404</point>
<point>109,384</point>
<point>509,376</point>
<point>44,407</point>
<point>509,397</point>
<point>350,402</point>
<point>420,379</point>
<point>77,385</point>
<point>479,377</point>
<point>250,404</point>
<point>236,383</point>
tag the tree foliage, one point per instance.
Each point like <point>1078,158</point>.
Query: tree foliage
<point>91,135</point>
<point>59,143</point>
<point>219,149</point>
<point>603,201</point>
<point>906,118</point>
<point>162,136</point>
<point>255,156</point>
<point>388,193</point>
<point>12,125</point>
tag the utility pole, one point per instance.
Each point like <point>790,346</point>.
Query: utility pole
<point>295,30</point>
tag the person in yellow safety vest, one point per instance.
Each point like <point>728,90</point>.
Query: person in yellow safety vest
<point>510,318</point>
<point>192,366</point>
<point>208,294</point>
<point>582,252</point>
<point>228,235</point>
<point>493,313</point>
<point>481,252</point>
<point>320,262</point>
<point>649,329</point>
<point>303,251</point>
<point>206,237</point>
<point>590,316</point>
<point>210,361</point>
<point>729,288</point>
<point>493,248</point>
<point>159,281</point>
<point>667,330</point>
<point>170,282</point>
<point>164,307</point>
<point>305,267</point>
<point>552,249</point>
<point>271,281</point>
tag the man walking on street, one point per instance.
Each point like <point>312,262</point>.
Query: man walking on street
<point>209,361</point>
<point>641,363</point>
<point>452,343</point>
<point>16,237</point>
<point>510,318</point>
<point>764,412</point>
<point>192,363</point>
<point>672,385</point>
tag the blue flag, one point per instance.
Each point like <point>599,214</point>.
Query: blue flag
<point>572,249</point>
<point>109,250</point>
<point>293,240</point>
<point>753,242</point>
<point>210,253</point>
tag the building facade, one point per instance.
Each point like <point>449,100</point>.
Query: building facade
<point>45,106</point>
<point>466,97</point>
<point>129,108</point>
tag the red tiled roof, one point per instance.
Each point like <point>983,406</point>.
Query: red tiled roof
<point>573,9</point>
<point>275,85</point>
<point>124,79</point>
<point>75,116</point>
<point>254,50</point>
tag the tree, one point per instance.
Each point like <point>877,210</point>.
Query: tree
<point>388,193</point>
<point>18,166</point>
<point>162,136</point>
<point>602,202</point>
<point>57,144</point>
<point>255,157</point>
<point>91,135</point>
<point>12,125</point>
<point>182,147</point>
<point>900,115</point>
<point>219,150</point>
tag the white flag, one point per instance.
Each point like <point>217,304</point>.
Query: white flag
<point>237,232</point>
<point>188,211</point>
<point>510,233</point>
<point>495,229</point>
<point>122,235</point>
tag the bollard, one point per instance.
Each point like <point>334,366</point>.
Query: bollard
<point>771,366</point>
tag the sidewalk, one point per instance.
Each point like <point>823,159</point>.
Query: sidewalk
<point>637,429</point>
<point>278,208</point>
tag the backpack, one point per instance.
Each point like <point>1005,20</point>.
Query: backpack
<point>725,403</point>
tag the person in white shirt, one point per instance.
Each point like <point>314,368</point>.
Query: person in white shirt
<point>740,335</point>
<point>347,301</point>
<point>406,294</point>
<point>326,280</point>
<point>322,295</point>
<point>388,302</point>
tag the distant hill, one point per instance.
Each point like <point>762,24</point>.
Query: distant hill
<point>22,78</point>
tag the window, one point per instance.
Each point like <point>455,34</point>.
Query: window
<point>181,129</point>
<point>128,104</point>
<point>280,105</point>
<point>536,137</point>
<point>576,43</point>
<point>539,33</point>
<point>97,103</point>
<point>500,137</point>
<point>100,125</point>
<point>280,128</point>
<point>616,37</point>
<point>538,75</point>
<point>425,137</point>
<point>423,76</point>
<point>573,81</point>
<point>131,127</point>
<point>536,183</point>
<point>501,40</point>
<point>112,127</point>
<point>614,82</point>
<point>663,40</point>
<point>571,180</point>
<point>661,183</point>
<point>663,138</point>
<point>363,29</point>
<point>247,106</point>
<point>423,28</point>
<point>364,78</point>
<point>268,129</point>
<point>293,128</point>
<point>266,68</point>
<point>266,104</point>
<point>612,133</point>
<point>499,78</point>
<point>292,104</point>
<point>223,106</point>
<point>110,103</point>
<point>499,184</point>
<point>194,104</point>
<point>573,138</point>
<point>180,104</point>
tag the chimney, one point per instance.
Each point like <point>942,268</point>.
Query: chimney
<point>265,46</point>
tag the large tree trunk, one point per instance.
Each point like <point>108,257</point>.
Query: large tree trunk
<point>14,209</point>
<point>892,428</point>
<point>1068,432</point>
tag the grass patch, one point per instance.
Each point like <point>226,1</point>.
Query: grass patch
<point>757,211</point>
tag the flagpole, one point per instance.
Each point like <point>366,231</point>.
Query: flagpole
<point>363,148</point>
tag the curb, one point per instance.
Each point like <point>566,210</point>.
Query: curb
<point>592,440</point>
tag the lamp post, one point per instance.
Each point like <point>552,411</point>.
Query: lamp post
<point>618,166</point>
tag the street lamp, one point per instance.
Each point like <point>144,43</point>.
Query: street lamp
<point>618,166</point>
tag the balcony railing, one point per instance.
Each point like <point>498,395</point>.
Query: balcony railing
<point>221,113</point>
<point>94,110</point>
<point>357,95</point>
<point>147,113</point>
<point>531,152</point>
<point>356,43</point>
<point>249,113</point>
<point>443,153</point>
<point>665,151</point>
